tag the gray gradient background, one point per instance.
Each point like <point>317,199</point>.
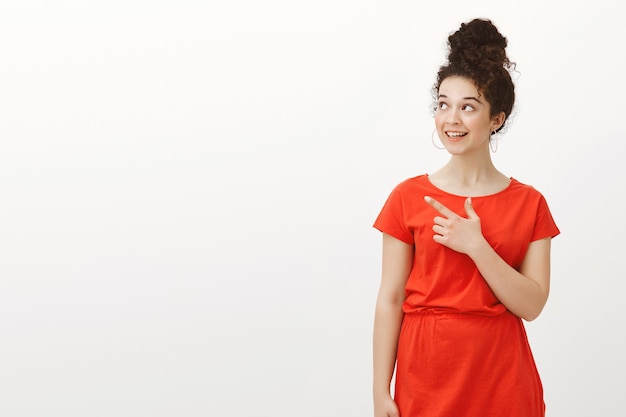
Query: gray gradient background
<point>187,191</point>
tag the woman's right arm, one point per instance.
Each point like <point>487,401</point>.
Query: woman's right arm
<point>396,266</point>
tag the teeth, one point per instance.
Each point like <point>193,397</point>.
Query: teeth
<point>455,134</point>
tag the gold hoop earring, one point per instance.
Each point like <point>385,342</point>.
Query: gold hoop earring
<point>493,142</point>
<point>432,139</point>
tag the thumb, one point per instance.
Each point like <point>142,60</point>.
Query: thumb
<point>469,209</point>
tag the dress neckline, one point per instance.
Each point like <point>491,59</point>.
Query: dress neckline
<point>508,186</point>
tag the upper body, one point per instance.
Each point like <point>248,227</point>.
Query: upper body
<point>443,279</point>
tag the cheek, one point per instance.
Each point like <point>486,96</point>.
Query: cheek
<point>476,123</point>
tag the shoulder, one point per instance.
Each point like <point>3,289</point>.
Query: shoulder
<point>528,197</point>
<point>407,193</point>
<point>535,209</point>
<point>410,185</point>
<point>520,189</point>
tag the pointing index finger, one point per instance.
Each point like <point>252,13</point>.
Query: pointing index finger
<point>439,207</point>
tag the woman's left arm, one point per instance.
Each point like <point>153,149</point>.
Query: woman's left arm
<point>523,292</point>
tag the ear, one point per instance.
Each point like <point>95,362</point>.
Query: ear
<point>497,120</point>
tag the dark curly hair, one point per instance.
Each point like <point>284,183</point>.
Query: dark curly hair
<point>477,52</point>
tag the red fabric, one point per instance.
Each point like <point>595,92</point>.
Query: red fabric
<point>461,352</point>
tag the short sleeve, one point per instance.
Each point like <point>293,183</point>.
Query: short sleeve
<point>392,218</point>
<point>545,225</point>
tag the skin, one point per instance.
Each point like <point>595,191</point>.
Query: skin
<point>470,171</point>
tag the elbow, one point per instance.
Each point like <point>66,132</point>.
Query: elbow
<point>530,317</point>
<point>532,314</point>
<point>534,309</point>
<point>389,304</point>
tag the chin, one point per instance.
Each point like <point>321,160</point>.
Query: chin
<point>454,149</point>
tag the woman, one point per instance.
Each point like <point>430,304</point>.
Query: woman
<point>466,256</point>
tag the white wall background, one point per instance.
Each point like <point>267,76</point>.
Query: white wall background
<point>187,191</point>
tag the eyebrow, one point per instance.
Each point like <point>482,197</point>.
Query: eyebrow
<point>464,98</point>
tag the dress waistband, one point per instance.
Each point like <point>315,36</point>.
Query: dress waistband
<point>444,313</point>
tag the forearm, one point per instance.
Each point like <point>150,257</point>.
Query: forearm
<point>521,295</point>
<point>387,323</point>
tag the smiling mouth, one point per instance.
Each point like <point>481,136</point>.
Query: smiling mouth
<point>455,135</point>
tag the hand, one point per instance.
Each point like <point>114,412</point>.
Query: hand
<point>461,234</point>
<point>385,407</point>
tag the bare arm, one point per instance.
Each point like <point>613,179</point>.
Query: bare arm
<point>396,266</point>
<point>523,292</point>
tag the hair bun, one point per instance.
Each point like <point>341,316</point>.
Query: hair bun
<point>478,43</point>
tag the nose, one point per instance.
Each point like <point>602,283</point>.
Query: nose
<point>452,116</point>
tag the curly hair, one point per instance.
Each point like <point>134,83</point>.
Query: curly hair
<point>477,52</point>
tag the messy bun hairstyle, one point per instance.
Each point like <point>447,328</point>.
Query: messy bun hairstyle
<point>477,52</point>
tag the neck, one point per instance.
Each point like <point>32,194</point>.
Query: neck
<point>470,171</point>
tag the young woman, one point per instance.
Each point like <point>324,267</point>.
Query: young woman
<point>466,257</point>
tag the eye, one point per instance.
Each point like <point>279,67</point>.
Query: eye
<point>442,106</point>
<point>468,107</point>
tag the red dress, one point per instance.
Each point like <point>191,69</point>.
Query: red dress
<point>461,353</point>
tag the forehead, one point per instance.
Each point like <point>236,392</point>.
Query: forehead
<point>458,87</point>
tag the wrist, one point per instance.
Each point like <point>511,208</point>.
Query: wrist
<point>479,248</point>
<point>381,392</point>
